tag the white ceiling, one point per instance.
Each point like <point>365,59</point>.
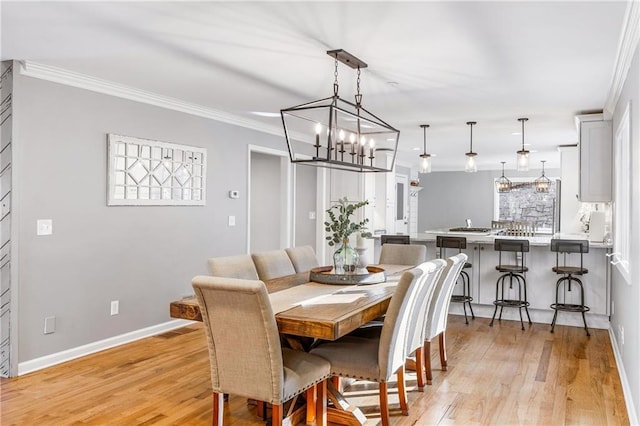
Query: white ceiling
<point>437,63</point>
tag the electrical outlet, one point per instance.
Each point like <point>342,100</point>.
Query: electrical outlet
<point>312,215</point>
<point>115,307</point>
<point>49,325</point>
<point>232,221</point>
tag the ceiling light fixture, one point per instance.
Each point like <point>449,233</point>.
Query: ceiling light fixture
<point>338,134</point>
<point>471,166</point>
<point>523,154</point>
<point>425,159</point>
<point>543,183</point>
<point>502,183</point>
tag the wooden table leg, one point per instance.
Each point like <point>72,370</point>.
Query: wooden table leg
<point>342,412</point>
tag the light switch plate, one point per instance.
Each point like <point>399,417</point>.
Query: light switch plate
<point>45,227</point>
<point>49,325</point>
<point>232,221</point>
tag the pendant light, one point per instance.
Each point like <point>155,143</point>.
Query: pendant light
<point>523,154</point>
<point>343,135</point>
<point>502,183</point>
<point>471,166</point>
<point>425,159</point>
<point>543,183</point>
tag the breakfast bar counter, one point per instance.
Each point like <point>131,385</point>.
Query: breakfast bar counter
<point>541,280</point>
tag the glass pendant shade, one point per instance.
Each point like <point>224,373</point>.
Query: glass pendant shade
<point>471,166</point>
<point>502,183</point>
<point>543,183</point>
<point>425,163</point>
<point>522,162</point>
<point>425,159</point>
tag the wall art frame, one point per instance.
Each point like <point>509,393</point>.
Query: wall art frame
<point>144,172</point>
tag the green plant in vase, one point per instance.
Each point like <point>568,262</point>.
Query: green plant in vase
<point>340,227</point>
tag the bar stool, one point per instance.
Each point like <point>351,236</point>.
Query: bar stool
<point>459,243</point>
<point>566,247</point>
<point>514,272</point>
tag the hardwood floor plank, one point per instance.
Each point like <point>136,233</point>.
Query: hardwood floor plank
<point>497,375</point>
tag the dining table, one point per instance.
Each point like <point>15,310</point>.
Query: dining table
<point>306,310</point>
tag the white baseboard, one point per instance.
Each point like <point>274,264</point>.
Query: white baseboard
<point>626,388</point>
<point>80,351</point>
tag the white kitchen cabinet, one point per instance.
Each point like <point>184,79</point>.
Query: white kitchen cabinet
<point>595,158</point>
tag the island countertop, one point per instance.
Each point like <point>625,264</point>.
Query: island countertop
<point>490,236</point>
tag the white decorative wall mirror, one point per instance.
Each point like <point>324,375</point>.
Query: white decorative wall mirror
<point>145,172</point>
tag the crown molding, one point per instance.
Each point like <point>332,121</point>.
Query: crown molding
<point>83,81</point>
<point>626,49</point>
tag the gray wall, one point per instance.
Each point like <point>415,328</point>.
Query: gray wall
<point>626,298</point>
<point>144,257</point>
<point>448,198</point>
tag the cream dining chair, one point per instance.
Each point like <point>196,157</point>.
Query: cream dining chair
<point>439,309</point>
<point>379,359</point>
<point>432,271</point>
<point>273,264</point>
<point>245,353</point>
<point>303,258</point>
<point>403,254</point>
<point>240,266</point>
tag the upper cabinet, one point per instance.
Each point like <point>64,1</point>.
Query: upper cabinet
<point>595,158</point>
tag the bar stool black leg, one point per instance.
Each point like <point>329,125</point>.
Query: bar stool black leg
<point>464,296</point>
<point>555,315</point>
<point>582,307</point>
<point>520,300</point>
<point>467,294</point>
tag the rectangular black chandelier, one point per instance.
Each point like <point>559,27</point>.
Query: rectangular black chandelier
<point>339,134</point>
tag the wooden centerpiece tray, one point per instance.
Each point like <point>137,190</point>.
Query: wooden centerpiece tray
<point>326,275</point>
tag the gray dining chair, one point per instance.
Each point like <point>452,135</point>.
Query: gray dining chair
<point>245,354</point>
<point>240,266</point>
<point>379,359</point>
<point>438,311</point>
<point>403,254</point>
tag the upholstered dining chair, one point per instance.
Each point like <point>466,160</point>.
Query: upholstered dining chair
<point>273,264</point>
<point>303,258</point>
<point>439,310</point>
<point>431,272</point>
<point>379,359</point>
<point>245,353</point>
<point>240,266</point>
<point>403,254</point>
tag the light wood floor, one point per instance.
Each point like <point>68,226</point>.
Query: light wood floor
<point>499,376</point>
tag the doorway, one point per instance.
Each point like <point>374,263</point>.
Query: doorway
<point>402,204</point>
<point>270,200</point>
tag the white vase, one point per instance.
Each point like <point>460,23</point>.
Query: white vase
<point>363,261</point>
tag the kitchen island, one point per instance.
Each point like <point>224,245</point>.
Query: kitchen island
<point>541,280</point>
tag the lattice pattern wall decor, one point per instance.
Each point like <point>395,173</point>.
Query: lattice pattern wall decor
<point>146,172</point>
